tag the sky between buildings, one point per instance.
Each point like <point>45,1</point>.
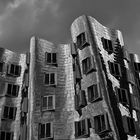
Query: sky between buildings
<point>51,20</point>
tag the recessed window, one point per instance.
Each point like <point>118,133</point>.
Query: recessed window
<point>12,90</point>
<point>137,66</point>
<point>115,69</point>
<point>88,65</point>
<point>130,77</point>
<point>94,93</point>
<point>45,130</point>
<point>135,102</point>
<point>50,79</point>
<point>101,123</point>
<point>51,58</point>
<point>122,95</point>
<point>128,124</point>
<point>107,44</point>
<point>48,102</point>
<point>6,135</point>
<point>14,70</point>
<point>9,112</point>
<point>82,128</point>
<point>82,40</point>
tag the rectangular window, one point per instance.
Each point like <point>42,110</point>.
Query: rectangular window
<point>12,90</point>
<point>82,128</point>
<point>48,102</point>
<point>107,44</point>
<point>6,135</point>
<point>94,93</point>
<point>135,102</point>
<point>101,123</point>
<point>9,112</point>
<point>122,95</point>
<point>14,70</point>
<point>51,58</point>
<point>129,126</point>
<point>115,69</point>
<point>82,40</point>
<point>130,77</point>
<point>50,79</point>
<point>88,65</point>
<point>46,130</point>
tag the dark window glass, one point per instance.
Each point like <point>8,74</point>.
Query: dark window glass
<point>44,101</point>
<point>8,136</point>
<point>48,130</point>
<point>11,113</point>
<point>52,80</point>
<point>48,57</point>
<point>2,136</point>
<point>9,90</point>
<point>47,79</point>
<point>50,102</point>
<point>54,57</point>
<point>12,70</point>
<point>42,135</point>
<point>1,67</point>
<point>6,112</point>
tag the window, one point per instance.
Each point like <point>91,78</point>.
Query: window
<point>137,66</point>
<point>135,102</point>
<point>128,124</point>
<point>9,112</point>
<point>130,77</point>
<point>115,69</point>
<point>82,128</point>
<point>107,44</point>
<point>48,102</point>
<point>94,93</point>
<point>1,66</point>
<point>45,130</point>
<point>50,79</point>
<point>51,58</point>
<point>6,135</point>
<point>122,95</point>
<point>101,123</point>
<point>14,70</point>
<point>88,65</point>
<point>12,90</point>
<point>82,40</point>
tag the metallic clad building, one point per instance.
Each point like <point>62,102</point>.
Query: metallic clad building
<point>86,90</point>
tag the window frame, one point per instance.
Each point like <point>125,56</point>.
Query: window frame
<point>12,86</point>
<point>49,80</point>
<point>51,58</point>
<point>3,64</point>
<point>14,70</point>
<point>46,108</point>
<point>51,130</point>
<point>113,71</point>
<point>99,123</point>
<point>82,40</point>
<point>8,115</point>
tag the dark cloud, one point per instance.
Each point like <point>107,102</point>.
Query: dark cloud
<point>51,20</point>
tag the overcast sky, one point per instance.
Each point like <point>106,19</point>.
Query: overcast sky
<point>51,20</point>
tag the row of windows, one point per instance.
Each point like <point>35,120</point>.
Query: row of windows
<point>6,135</point>
<point>12,70</point>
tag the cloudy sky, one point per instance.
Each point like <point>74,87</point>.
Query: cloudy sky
<point>51,20</point>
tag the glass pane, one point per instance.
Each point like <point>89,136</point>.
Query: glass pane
<point>103,125</point>
<point>11,113</point>
<point>83,126</point>
<point>54,57</point>
<point>6,109</point>
<point>50,102</point>
<point>1,67</point>
<point>44,101</point>
<point>52,80</point>
<point>16,70</point>
<point>48,130</point>
<point>12,70</point>
<point>42,135</point>
<point>47,79</point>
<point>9,90</point>
<point>48,57</point>
<point>14,91</point>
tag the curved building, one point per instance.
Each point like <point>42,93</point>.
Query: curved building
<point>86,90</point>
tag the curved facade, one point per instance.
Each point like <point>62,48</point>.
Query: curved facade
<point>85,90</point>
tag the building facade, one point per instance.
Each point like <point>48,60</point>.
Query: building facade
<point>86,90</point>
